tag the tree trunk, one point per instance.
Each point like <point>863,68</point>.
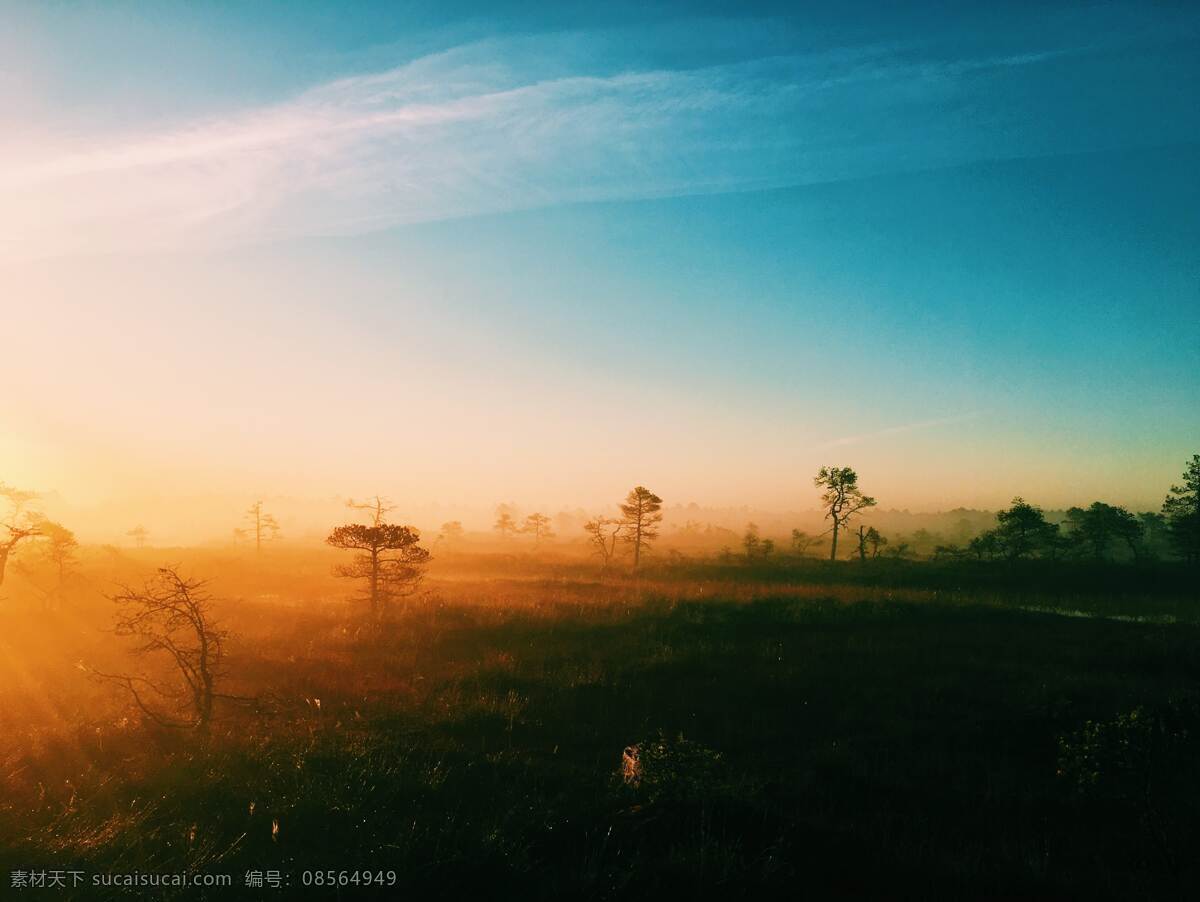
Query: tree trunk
<point>205,706</point>
<point>833,544</point>
<point>375,582</point>
<point>203,694</point>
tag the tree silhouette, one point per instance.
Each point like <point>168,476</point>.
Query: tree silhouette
<point>1023,529</point>
<point>842,499</point>
<point>505,524</point>
<point>802,541</point>
<point>391,563</point>
<point>1022,532</point>
<point>642,513</point>
<point>985,545</point>
<point>538,526</point>
<point>378,507</point>
<point>1156,532</point>
<point>170,616</point>
<point>451,532</point>
<point>875,540</point>
<point>261,526</point>
<point>1182,510</point>
<point>751,541</point>
<point>869,537</point>
<point>1100,525</point>
<point>18,525</point>
<point>59,547</point>
<point>603,535</point>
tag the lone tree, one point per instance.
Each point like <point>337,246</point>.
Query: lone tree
<point>170,617</point>
<point>842,499</point>
<point>505,524</point>
<point>603,534</point>
<point>391,561</point>
<point>18,524</point>
<point>260,526</point>
<point>1182,510</point>
<point>139,534</point>
<point>537,525</point>
<point>642,511</point>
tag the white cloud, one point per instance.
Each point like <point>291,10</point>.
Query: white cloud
<point>896,430</point>
<point>482,128</point>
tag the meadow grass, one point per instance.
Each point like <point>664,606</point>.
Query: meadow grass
<point>838,738</point>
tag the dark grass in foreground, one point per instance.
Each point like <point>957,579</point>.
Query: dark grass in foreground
<point>787,747</point>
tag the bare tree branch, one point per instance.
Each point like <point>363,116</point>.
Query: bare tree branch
<point>170,616</point>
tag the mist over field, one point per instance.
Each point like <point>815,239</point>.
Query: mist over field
<point>599,451</point>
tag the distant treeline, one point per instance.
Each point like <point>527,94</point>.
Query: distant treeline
<point>391,558</point>
<point>1100,532</point>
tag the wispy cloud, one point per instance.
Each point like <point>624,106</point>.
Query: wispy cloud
<point>478,130</point>
<point>896,430</point>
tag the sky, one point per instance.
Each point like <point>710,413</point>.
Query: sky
<point>469,253</point>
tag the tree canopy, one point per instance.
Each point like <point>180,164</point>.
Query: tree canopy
<point>391,560</point>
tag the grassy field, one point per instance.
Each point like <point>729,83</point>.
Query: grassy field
<point>528,730</point>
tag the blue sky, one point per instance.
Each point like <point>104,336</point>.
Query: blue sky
<point>957,247</point>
